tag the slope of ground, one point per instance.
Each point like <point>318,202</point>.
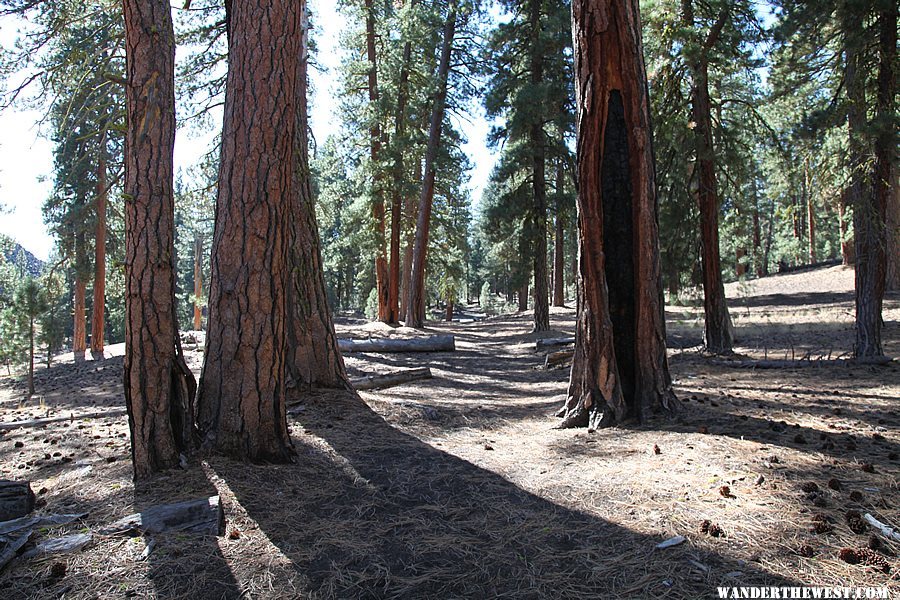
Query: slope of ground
<point>460,487</point>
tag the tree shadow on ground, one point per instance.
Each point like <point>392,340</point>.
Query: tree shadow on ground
<point>369,511</point>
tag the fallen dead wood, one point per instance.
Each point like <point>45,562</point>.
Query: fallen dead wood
<point>60,545</point>
<point>14,525</point>
<point>204,516</point>
<point>377,382</point>
<point>9,547</point>
<point>16,499</point>
<point>553,342</point>
<point>115,412</point>
<point>558,358</point>
<point>434,343</point>
<point>885,530</point>
<point>801,364</point>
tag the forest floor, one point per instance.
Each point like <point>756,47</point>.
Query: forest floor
<point>459,487</point>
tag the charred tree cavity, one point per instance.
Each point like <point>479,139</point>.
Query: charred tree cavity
<point>619,368</point>
<point>618,240</point>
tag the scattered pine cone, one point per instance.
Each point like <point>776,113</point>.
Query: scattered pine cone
<point>704,526</point>
<point>234,534</point>
<point>809,487</point>
<point>834,484</point>
<point>821,525</point>
<point>716,531</point>
<point>806,551</point>
<point>864,556</point>
<point>868,468</point>
<point>875,543</point>
<point>656,449</point>
<point>725,491</point>
<point>855,522</point>
<point>856,496</point>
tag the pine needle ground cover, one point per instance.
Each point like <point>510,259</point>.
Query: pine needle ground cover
<point>459,486</point>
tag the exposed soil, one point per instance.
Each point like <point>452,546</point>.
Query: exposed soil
<point>459,486</point>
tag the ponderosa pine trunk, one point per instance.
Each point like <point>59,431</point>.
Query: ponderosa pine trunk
<point>159,388</point>
<point>892,277</point>
<point>719,337</point>
<point>415,306</point>
<point>619,371</point>
<point>79,320</point>
<point>314,359</point>
<point>198,281</point>
<point>810,212</point>
<point>394,277</point>
<point>382,276</point>
<point>757,239</point>
<point>31,356</point>
<point>241,404</point>
<point>870,212</point>
<point>538,178</point>
<point>98,310</point>
<point>559,254</point>
<point>523,296</point>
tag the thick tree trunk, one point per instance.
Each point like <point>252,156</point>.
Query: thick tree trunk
<point>870,211</point>
<point>559,253</point>
<point>242,392</point>
<point>99,307</point>
<point>538,179</point>
<point>198,282</point>
<point>892,277</point>
<point>718,332</point>
<point>394,283</point>
<point>523,297</point>
<point>409,242</point>
<point>375,143</point>
<point>313,355</point>
<point>159,388</point>
<point>619,370</point>
<point>415,306</point>
<point>79,323</point>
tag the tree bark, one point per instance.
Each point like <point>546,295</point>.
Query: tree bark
<point>198,281</point>
<point>757,239</point>
<point>159,388</point>
<point>538,179</point>
<point>718,332</point>
<point>242,392</point>
<point>394,284</point>
<point>810,212</point>
<point>892,277</point>
<point>559,254</point>
<point>619,370</point>
<point>870,212</point>
<point>415,306</point>
<point>99,307</point>
<point>79,323</point>
<point>523,296</point>
<point>375,144</point>
<point>30,357</point>
<point>313,356</point>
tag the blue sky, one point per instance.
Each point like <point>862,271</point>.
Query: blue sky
<point>26,159</point>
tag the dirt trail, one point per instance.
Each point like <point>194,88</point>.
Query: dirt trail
<point>459,487</point>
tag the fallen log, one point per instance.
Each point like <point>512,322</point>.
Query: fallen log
<point>60,545</point>
<point>434,343</point>
<point>558,358</point>
<point>115,412</point>
<point>16,499</point>
<point>377,382</point>
<point>14,525</point>
<point>553,342</point>
<point>9,547</point>
<point>204,516</point>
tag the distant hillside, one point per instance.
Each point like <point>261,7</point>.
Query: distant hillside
<point>18,256</point>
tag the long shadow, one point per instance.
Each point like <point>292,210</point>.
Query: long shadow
<point>371,512</point>
<point>184,566</point>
